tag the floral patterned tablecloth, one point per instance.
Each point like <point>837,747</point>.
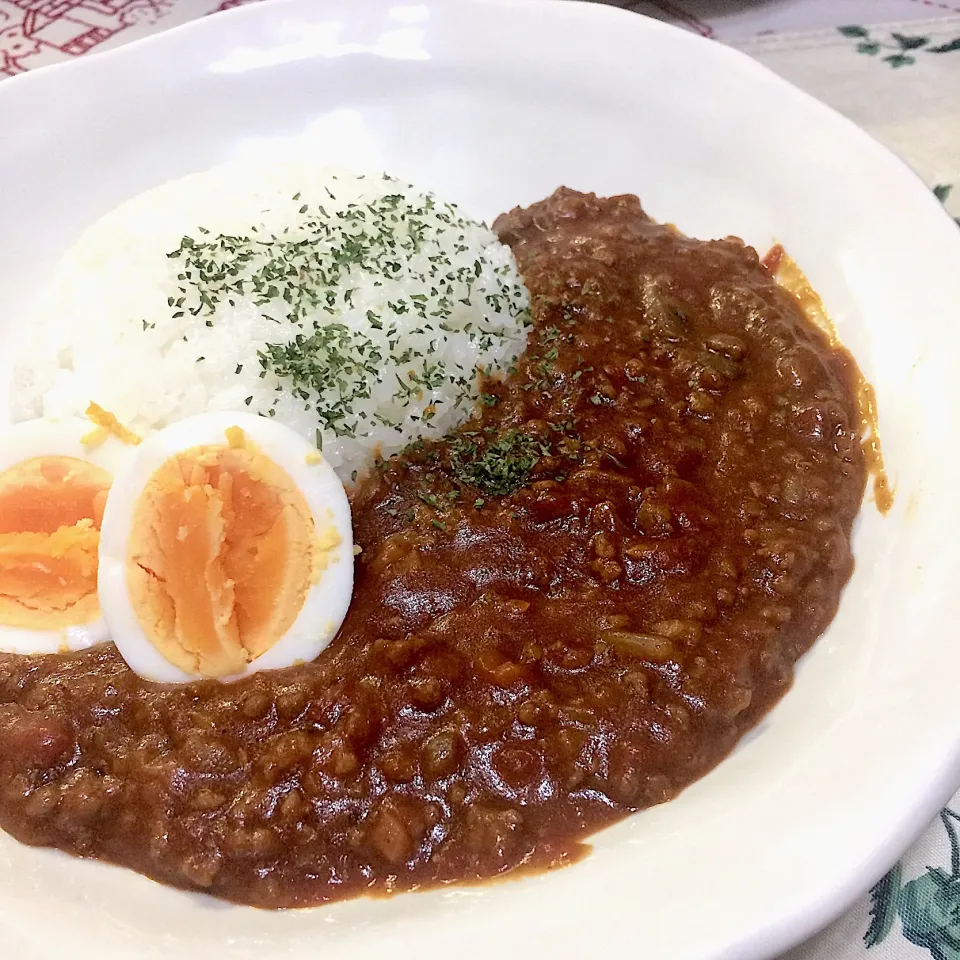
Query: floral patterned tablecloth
<point>892,66</point>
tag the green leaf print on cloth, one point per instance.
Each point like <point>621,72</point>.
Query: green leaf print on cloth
<point>883,907</point>
<point>900,45</point>
<point>942,192</point>
<point>930,913</point>
<point>928,905</point>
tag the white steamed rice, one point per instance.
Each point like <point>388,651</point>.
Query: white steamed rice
<point>190,298</point>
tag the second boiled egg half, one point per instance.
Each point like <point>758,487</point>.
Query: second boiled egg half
<point>54,481</point>
<point>225,547</point>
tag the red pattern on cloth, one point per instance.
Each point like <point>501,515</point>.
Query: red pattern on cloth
<point>36,32</point>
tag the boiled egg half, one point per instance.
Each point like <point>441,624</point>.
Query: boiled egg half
<point>226,547</point>
<point>54,480</point>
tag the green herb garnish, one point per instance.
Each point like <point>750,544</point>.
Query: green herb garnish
<point>301,280</point>
<point>498,467</point>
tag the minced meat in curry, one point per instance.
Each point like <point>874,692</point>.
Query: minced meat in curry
<point>565,611</point>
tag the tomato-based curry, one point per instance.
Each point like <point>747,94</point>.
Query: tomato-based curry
<point>565,611</point>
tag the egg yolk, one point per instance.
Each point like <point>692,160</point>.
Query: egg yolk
<point>221,557</point>
<point>50,513</point>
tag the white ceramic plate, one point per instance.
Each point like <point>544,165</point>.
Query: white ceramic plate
<point>495,104</point>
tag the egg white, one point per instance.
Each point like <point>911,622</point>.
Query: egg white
<point>49,437</point>
<point>326,602</point>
